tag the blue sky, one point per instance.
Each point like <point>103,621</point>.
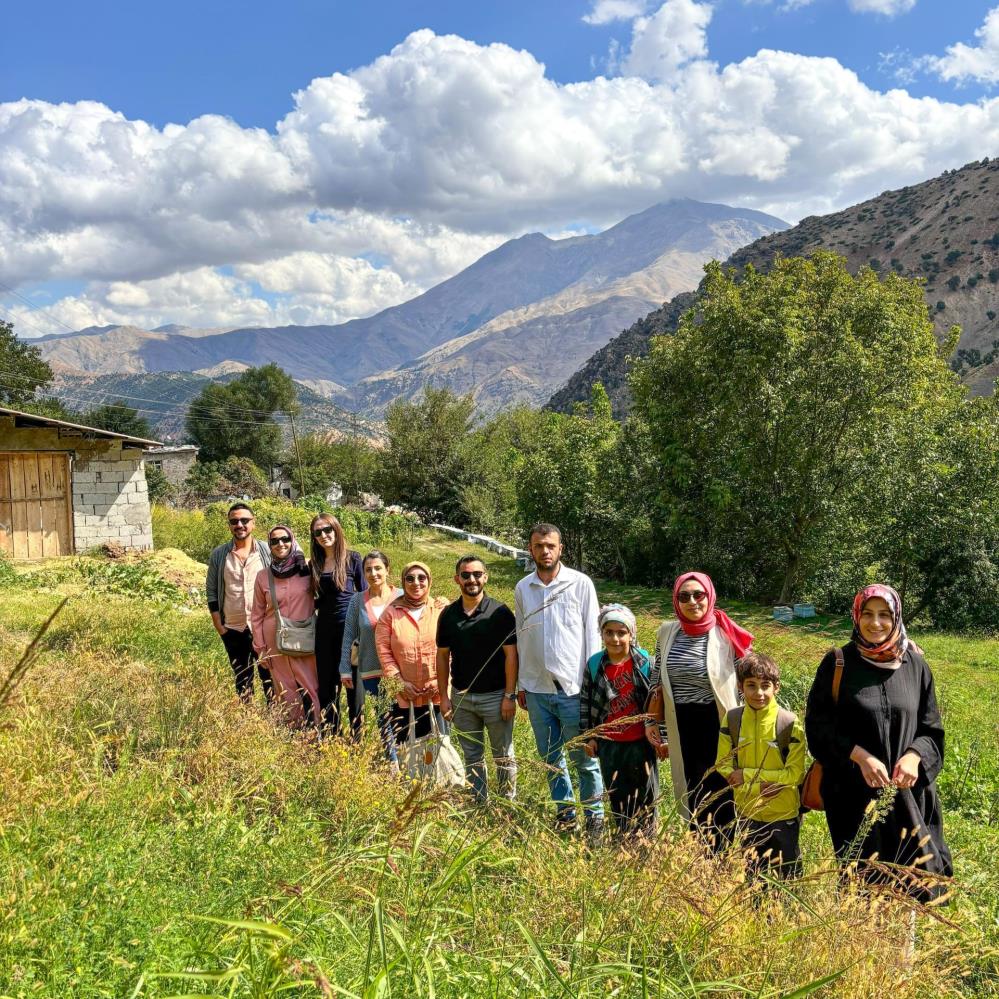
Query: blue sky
<point>172,62</point>
<point>157,165</point>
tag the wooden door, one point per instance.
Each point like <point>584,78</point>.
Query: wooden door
<point>36,518</point>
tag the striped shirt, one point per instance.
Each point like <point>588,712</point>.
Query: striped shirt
<point>687,668</point>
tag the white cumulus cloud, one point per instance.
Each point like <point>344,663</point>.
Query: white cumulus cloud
<point>668,39</point>
<point>608,11</point>
<point>382,181</point>
<point>889,8</point>
<point>962,62</point>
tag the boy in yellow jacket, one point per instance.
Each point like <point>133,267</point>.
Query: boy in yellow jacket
<point>761,753</point>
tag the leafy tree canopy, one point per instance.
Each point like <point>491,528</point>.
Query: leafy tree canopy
<point>776,410</point>
<point>118,418</point>
<point>425,464</point>
<point>237,418</point>
<point>22,367</point>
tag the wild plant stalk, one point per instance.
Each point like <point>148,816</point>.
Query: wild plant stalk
<point>28,658</point>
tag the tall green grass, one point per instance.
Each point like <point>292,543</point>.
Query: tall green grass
<point>158,839</point>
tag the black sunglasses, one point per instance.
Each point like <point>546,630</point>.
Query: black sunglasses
<point>282,539</point>
<point>416,579</point>
<point>240,521</point>
<point>472,574</point>
<point>319,531</point>
<point>691,595</point>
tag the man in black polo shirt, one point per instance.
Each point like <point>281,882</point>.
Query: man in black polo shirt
<point>477,653</point>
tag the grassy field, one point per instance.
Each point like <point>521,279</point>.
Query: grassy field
<point>156,839</point>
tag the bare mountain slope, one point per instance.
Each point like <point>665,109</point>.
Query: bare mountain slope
<point>620,273</point>
<point>945,230</point>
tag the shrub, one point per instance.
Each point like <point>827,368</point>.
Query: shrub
<point>197,532</point>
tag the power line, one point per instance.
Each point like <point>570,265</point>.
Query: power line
<point>37,308</point>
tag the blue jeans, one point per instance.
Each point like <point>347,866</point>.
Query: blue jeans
<point>474,716</point>
<point>555,720</point>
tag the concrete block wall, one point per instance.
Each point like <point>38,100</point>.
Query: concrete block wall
<point>110,500</point>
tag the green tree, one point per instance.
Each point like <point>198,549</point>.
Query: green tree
<point>118,418</point>
<point>942,542</point>
<point>158,485</point>
<point>236,418</point>
<point>24,371</point>
<point>491,456</point>
<point>351,462</point>
<point>575,477</point>
<point>232,477</point>
<point>425,466</point>
<point>774,410</point>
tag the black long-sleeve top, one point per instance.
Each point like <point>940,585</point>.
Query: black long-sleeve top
<point>888,713</point>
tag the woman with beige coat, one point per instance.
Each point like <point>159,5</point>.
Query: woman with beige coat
<point>693,687</point>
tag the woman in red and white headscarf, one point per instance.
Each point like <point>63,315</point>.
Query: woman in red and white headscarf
<point>882,728</point>
<point>693,687</point>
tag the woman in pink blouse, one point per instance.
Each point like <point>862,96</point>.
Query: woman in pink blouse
<point>294,676</point>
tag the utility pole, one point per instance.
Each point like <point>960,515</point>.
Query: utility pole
<point>355,489</point>
<point>298,451</point>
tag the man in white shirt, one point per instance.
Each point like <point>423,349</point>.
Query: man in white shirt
<point>556,610</point>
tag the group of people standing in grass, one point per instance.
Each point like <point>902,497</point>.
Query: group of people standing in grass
<point>704,699</point>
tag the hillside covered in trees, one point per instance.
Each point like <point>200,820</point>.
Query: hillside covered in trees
<point>944,231</point>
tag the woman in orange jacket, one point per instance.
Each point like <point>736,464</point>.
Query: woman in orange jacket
<point>406,639</point>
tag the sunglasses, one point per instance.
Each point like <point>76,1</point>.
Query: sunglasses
<point>473,574</point>
<point>418,578</point>
<point>282,539</point>
<point>319,531</point>
<point>691,596</point>
<point>240,521</point>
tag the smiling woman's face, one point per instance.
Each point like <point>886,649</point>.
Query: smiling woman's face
<point>693,600</point>
<point>416,583</point>
<point>375,572</point>
<point>876,621</point>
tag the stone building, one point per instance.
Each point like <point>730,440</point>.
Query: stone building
<point>173,460</point>
<point>65,488</point>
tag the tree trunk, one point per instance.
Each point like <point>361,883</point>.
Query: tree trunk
<point>790,577</point>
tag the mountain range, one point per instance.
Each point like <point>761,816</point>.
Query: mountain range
<point>944,231</point>
<point>510,328</point>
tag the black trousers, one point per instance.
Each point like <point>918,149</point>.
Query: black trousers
<point>709,798</point>
<point>631,779</point>
<point>239,649</point>
<point>329,640</point>
<point>772,847</point>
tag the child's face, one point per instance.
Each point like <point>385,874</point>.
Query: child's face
<point>617,639</point>
<point>758,693</point>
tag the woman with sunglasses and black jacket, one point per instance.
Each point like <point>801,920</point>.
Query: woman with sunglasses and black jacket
<point>693,688</point>
<point>337,574</point>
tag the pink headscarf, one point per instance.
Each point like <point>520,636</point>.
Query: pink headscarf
<point>893,647</point>
<point>740,639</point>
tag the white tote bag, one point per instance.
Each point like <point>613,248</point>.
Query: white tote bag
<point>431,758</point>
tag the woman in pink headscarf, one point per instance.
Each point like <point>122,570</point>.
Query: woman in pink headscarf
<point>289,579</point>
<point>693,686</point>
<point>875,727</point>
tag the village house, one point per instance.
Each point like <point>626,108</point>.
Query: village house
<point>173,460</point>
<point>65,488</point>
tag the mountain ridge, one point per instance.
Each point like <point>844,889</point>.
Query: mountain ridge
<point>577,273</point>
<point>944,230</point>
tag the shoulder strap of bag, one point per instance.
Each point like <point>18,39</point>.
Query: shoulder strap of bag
<point>785,726</point>
<point>734,719</point>
<point>838,674</point>
<point>274,600</point>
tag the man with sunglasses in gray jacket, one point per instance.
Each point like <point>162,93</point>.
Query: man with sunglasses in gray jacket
<point>232,571</point>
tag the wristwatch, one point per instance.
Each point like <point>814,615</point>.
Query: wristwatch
<point>510,697</point>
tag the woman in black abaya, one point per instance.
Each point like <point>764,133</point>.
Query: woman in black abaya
<point>884,729</point>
